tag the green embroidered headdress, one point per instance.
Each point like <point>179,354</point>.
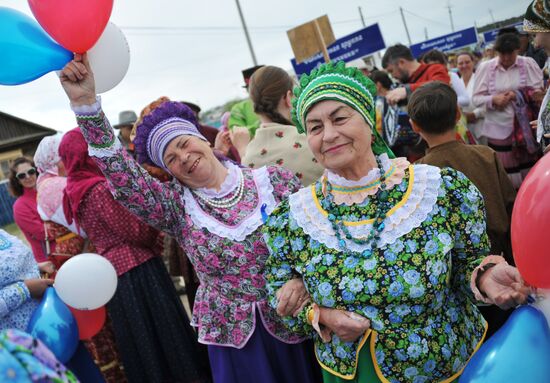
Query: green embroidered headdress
<point>537,17</point>
<point>336,82</point>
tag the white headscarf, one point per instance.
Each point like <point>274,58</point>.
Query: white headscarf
<point>50,185</point>
<point>47,157</point>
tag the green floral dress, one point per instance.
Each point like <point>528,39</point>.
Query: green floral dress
<point>415,288</point>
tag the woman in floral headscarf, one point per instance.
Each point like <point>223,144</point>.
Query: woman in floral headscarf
<point>50,186</point>
<point>392,254</point>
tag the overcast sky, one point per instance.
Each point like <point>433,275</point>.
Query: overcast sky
<point>195,50</point>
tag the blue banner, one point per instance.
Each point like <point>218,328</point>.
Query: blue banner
<point>446,43</point>
<point>348,48</point>
<point>491,35</point>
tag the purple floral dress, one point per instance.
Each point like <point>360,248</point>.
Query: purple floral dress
<point>225,245</point>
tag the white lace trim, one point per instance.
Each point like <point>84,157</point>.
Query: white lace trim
<point>88,109</point>
<point>373,175</point>
<point>105,152</point>
<point>249,224</point>
<point>228,185</point>
<point>420,203</point>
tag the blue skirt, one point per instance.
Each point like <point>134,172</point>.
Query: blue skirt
<point>264,359</point>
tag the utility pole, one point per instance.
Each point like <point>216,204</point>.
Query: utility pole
<point>426,32</point>
<point>246,34</point>
<point>405,24</point>
<point>362,18</point>
<point>451,16</point>
<point>492,17</point>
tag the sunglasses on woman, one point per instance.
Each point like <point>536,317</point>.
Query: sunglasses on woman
<point>29,173</point>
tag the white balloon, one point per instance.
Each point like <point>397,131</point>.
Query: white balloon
<point>86,281</point>
<point>109,58</point>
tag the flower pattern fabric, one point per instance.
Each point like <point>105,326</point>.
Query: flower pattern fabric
<point>26,359</point>
<point>415,290</point>
<point>16,265</point>
<point>231,272</point>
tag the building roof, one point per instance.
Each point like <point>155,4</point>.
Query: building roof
<point>15,131</point>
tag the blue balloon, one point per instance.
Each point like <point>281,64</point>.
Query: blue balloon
<point>518,352</point>
<point>27,51</point>
<point>53,323</point>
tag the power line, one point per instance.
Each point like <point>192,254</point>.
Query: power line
<point>221,27</point>
<point>154,28</point>
<point>425,18</point>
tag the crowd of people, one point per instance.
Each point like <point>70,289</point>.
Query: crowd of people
<point>351,226</point>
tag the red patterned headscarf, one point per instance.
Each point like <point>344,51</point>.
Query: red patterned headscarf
<point>82,172</point>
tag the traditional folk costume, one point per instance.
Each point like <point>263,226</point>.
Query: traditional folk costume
<point>537,19</point>
<point>219,231</point>
<point>151,328</point>
<point>50,189</point>
<point>397,247</point>
<point>507,130</point>
<point>17,264</point>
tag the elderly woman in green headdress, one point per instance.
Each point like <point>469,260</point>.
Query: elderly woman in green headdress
<point>393,255</point>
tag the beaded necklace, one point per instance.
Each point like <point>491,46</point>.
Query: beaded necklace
<point>337,222</point>
<point>224,203</point>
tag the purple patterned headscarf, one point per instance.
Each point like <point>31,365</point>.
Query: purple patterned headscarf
<point>160,127</point>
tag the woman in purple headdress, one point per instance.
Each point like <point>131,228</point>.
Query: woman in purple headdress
<point>214,209</point>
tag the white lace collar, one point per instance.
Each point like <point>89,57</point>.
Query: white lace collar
<point>249,224</point>
<point>372,175</point>
<point>229,184</point>
<point>417,203</point>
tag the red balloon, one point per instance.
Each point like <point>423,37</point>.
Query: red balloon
<point>74,24</point>
<point>530,226</point>
<point>90,322</point>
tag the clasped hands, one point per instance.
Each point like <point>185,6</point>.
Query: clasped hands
<point>348,326</point>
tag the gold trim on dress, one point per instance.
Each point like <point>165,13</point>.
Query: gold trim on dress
<point>370,221</point>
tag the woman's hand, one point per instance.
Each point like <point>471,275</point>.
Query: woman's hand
<point>37,286</point>
<point>293,297</point>
<point>46,267</point>
<point>502,284</point>
<point>78,82</point>
<point>501,100</point>
<point>346,325</point>
<point>240,137</point>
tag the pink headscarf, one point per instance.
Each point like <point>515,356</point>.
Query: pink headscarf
<point>50,185</point>
<point>82,172</point>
